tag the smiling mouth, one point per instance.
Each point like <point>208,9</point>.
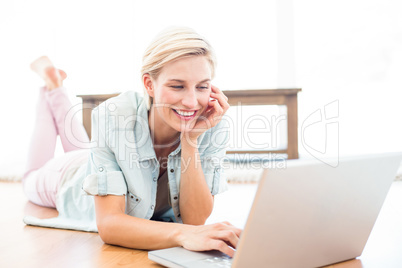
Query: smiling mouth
<point>185,115</point>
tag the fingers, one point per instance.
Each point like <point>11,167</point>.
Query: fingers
<point>216,90</point>
<point>228,226</point>
<point>230,237</point>
<point>222,247</point>
<point>219,105</point>
<point>228,223</point>
<point>221,236</point>
<point>221,98</point>
<point>226,237</point>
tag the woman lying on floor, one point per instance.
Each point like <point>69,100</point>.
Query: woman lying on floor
<point>148,177</point>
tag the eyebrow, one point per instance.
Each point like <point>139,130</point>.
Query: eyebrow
<point>182,81</point>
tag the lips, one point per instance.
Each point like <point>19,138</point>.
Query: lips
<point>185,115</point>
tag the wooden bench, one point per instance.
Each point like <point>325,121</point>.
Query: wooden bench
<point>287,97</point>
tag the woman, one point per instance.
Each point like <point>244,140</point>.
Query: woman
<point>153,160</point>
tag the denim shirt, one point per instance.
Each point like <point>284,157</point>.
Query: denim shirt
<point>123,161</point>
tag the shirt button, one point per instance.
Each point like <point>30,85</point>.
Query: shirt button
<point>101,169</point>
<point>175,198</point>
<point>172,170</point>
<point>152,207</point>
<point>155,179</point>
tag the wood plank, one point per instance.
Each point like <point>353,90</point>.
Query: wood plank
<point>292,150</point>
<point>28,246</point>
<point>257,100</point>
<point>261,92</point>
<point>98,96</point>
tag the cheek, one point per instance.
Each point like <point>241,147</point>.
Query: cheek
<point>168,100</point>
<point>167,97</point>
<point>203,100</point>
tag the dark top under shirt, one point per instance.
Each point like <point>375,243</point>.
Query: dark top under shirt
<point>162,197</point>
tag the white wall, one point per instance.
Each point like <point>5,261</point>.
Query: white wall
<point>91,40</point>
<point>351,52</point>
<point>100,45</point>
<point>344,52</point>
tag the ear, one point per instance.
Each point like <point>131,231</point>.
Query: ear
<point>148,84</point>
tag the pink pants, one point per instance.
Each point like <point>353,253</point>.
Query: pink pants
<point>55,115</point>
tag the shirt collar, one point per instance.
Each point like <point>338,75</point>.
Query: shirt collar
<point>145,148</point>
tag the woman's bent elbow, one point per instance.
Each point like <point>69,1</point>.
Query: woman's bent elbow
<point>103,232</point>
<point>105,229</point>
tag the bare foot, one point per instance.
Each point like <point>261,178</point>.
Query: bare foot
<point>54,77</point>
<point>44,68</point>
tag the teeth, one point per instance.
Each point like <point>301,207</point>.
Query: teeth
<point>185,113</point>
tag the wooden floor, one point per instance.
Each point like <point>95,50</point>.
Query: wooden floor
<point>27,246</point>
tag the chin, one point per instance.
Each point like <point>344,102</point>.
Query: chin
<point>178,126</point>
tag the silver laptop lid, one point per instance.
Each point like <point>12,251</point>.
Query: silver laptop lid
<point>311,214</point>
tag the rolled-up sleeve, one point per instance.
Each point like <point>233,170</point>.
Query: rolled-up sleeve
<point>103,174</point>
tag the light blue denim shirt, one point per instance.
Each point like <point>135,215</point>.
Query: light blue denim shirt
<point>122,161</point>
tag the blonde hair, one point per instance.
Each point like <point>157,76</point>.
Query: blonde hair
<point>171,44</point>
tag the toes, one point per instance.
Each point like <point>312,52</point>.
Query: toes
<point>45,69</point>
<point>62,74</point>
<point>52,74</point>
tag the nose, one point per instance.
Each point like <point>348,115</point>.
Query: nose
<point>190,99</point>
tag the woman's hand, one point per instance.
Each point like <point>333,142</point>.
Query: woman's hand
<point>219,236</point>
<point>212,115</point>
<point>117,228</point>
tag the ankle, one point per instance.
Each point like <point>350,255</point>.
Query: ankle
<point>53,78</point>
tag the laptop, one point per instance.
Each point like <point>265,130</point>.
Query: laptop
<point>308,214</point>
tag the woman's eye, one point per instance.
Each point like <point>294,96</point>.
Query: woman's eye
<point>177,87</point>
<point>203,87</point>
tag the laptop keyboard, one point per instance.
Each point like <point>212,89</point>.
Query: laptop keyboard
<point>224,261</point>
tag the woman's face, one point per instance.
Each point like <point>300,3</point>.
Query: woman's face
<point>182,91</point>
